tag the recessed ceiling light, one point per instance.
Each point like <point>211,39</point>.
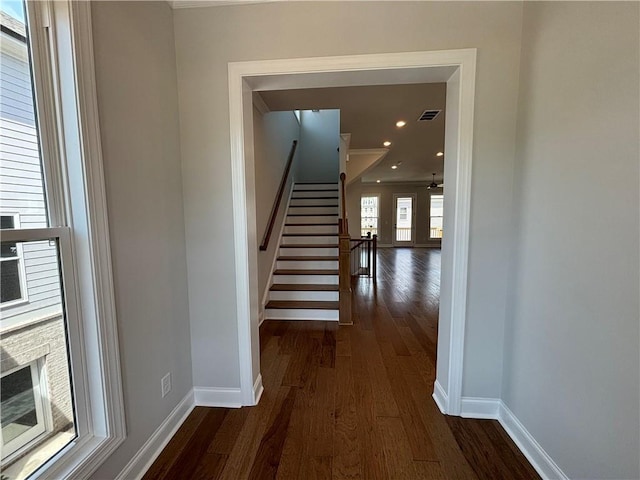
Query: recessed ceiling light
<point>439,154</point>
<point>401,123</point>
<point>377,181</point>
<point>393,167</point>
<point>387,143</point>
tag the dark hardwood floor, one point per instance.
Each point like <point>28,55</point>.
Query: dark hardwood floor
<point>350,402</point>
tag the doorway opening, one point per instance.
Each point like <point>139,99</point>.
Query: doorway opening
<point>404,220</point>
<point>454,67</point>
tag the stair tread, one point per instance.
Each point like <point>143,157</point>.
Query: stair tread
<point>311,234</point>
<point>315,198</point>
<point>309,245</point>
<point>291,271</point>
<point>303,287</point>
<point>312,214</point>
<point>311,304</point>
<point>335,224</point>
<point>321,258</point>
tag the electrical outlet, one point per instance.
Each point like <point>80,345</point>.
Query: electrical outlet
<point>166,384</point>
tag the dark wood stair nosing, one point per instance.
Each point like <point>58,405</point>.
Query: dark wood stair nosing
<point>303,304</point>
<point>292,271</point>
<point>311,224</point>
<point>301,258</point>
<point>311,234</point>
<point>312,215</point>
<point>309,245</point>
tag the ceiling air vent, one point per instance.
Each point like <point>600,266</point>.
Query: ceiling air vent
<point>429,115</point>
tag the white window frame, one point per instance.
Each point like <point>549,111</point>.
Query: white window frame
<point>369,195</point>
<point>22,274</point>
<point>60,39</point>
<point>23,442</point>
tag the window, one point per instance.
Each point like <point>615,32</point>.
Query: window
<point>11,266</point>
<point>23,411</point>
<point>369,215</point>
<point>61,396</point>
<point>435,215</point>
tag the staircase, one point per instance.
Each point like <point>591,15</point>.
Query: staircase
<point>305,280</point>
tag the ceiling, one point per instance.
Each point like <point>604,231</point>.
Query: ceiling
<point>369,114</point>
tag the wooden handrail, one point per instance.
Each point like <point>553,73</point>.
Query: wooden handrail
<point>343,226</point>
<point>278,200</point>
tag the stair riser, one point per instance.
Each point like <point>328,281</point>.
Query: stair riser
<point>307,264</point>
<point>312,210</point>
<point>307,279</point>
<point>309,240</point>
<point>300,314</point>
<point>313,219</point>
<point>313,193</point>
<point>311,228</point>
<point>308,252</point>
<point>315,186</point>
<point>314,202</point>
<point>304,296</point>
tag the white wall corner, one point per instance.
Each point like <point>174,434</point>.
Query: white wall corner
<point>144,458</point>
<point>440,397</point>
<point>257,389</point>
<point>261,314</point>
<point>217,397</point>
<point>539,459</point>
<point>476,407</point>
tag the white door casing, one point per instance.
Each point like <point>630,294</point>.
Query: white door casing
<point>455,67</point>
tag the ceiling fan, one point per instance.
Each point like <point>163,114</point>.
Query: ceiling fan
<point>433,183</point>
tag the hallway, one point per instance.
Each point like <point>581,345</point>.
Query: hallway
<point>349,402</point>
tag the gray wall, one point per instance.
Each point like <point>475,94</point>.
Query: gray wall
<point>319,160</point>
<point>386,209</point>
<point>571,357</point>
<point>208,38</point>
<point>138,104</point>
<point>273,134</point>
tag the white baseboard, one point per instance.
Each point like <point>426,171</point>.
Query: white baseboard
<point>440,397</point>
<point>217,397</point>
<point>148,453</point>
<point>541,461</point>
<point>257,389</point>
<point>494,408</point>
<point>475,407</point>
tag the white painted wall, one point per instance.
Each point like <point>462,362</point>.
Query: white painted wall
<point>138,104</point>
<point>208,38</point>
<point>571,350</point>
<point>273,134</point>
<point>319,160</point>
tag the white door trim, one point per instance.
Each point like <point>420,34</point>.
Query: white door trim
<point>414,198</point>
<point>243,77</point>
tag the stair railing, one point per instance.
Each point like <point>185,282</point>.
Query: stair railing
<point>278,199</point>
<point>364,257</point>
<point>344,259</point>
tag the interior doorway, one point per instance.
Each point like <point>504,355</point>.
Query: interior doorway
<point>404,220</point>
<point>457,68</point>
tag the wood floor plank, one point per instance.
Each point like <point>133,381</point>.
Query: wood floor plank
<point>267,459</point>
<point>349,402</point>
<point>209,467</point>
<point>346,447</point>
<point>176,445</point>
<point>195,449</point>
<point>419,439</point>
